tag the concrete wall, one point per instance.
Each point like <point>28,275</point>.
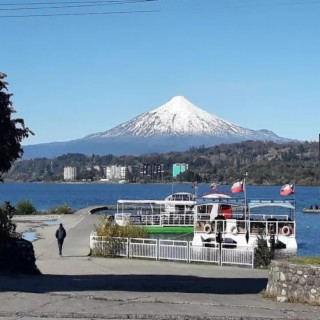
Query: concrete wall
<point>294,282</point>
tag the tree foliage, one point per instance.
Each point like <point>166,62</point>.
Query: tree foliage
<point>7,227</point>
<point>267,163</point>
<point>12,131</point>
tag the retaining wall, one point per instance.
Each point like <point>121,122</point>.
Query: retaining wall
<point>294,282</point>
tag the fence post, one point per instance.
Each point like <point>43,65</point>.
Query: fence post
<point>158,250</point>
<point>252,261</point>
<point>129,247</point>
<point>219,241</point>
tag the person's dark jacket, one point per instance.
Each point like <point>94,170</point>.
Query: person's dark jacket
<point>61,233</point>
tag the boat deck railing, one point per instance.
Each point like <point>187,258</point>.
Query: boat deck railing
<point>162,219</point>
<point>234,226</point>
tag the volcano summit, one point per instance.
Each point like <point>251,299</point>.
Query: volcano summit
<point>176,125</point>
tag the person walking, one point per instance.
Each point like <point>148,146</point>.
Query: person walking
<point>60,235</point>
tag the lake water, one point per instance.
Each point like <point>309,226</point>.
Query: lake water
<point>47,195</point>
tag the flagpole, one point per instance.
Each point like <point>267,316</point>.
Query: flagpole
<point>245,193</point>
<point>245,187</point>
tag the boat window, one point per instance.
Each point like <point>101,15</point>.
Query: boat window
<point>224,207</point>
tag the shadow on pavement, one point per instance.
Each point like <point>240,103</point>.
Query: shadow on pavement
<point>134,283</point>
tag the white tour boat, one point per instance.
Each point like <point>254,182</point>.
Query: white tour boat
<point>238,223</point>
<point>174,214</point>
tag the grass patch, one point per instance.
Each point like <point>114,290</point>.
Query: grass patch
<point>305,260</point>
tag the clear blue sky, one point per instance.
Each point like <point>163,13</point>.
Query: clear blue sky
<point>255,63</point>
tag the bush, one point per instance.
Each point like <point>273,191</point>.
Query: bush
<point>7,227</point>
<point>262,253</point>
<point>108,229</point>
<point>25,207</point>
<point>64,209</point>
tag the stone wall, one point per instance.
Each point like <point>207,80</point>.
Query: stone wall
<point>17,256</point>
<point>294,282</point>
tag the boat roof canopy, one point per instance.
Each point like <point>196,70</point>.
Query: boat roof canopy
<point>231,201</point>
<point>156,202</point>
<point>215,195</point>
<point>271,203</point>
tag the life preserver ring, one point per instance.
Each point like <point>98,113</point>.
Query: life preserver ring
<point>286,231</point>
<point>234,230</point>
<point>207,228</point>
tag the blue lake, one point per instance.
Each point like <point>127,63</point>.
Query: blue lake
<point>47,195</point>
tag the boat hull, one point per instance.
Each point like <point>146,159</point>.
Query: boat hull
<point>164,229</point>
<point>310,210</point>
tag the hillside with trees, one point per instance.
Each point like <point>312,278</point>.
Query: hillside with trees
<point>267,163</point>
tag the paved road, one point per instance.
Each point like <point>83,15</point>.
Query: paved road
<point>77,286</point>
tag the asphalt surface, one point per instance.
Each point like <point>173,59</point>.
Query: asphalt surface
<point>78,286</point>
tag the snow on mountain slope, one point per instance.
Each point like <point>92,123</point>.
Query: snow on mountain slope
<point>176,125</point>
<point>177,117</point>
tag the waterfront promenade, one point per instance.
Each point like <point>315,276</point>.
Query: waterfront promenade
<point>78,286</point>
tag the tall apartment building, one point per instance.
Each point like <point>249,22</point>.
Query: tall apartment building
<point>70,173</point>
<point>178,168</point>
<point>115,172</point>
<point>154,171</point>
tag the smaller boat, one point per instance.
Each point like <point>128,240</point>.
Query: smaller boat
<point>313,209</point>
<point>174,214</point>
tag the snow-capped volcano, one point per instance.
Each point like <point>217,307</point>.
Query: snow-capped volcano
<point>177,125</point>
<point>178,117</point>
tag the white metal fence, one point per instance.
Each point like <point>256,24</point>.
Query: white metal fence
<point>143,248</point>
<point>174,250</point>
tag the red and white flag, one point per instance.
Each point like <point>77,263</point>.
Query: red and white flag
<point>237,187</point>
<point>286,190</point>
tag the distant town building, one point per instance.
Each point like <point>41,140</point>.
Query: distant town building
<point>115,172</point>
<point>70,173</point>
<point>178,168</point>
<point>154,171</point>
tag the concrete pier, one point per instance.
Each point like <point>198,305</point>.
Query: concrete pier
<point>78,286</point>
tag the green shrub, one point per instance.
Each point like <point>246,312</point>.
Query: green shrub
<point>108,248</point>
<point>108,229</point>
<point>64,209</point>
<point>7,227</point>
<point>25,207</point>
<point>262,253</point>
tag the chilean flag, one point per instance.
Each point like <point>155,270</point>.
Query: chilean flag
<point>237,187</point>
<point>286,190</point>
